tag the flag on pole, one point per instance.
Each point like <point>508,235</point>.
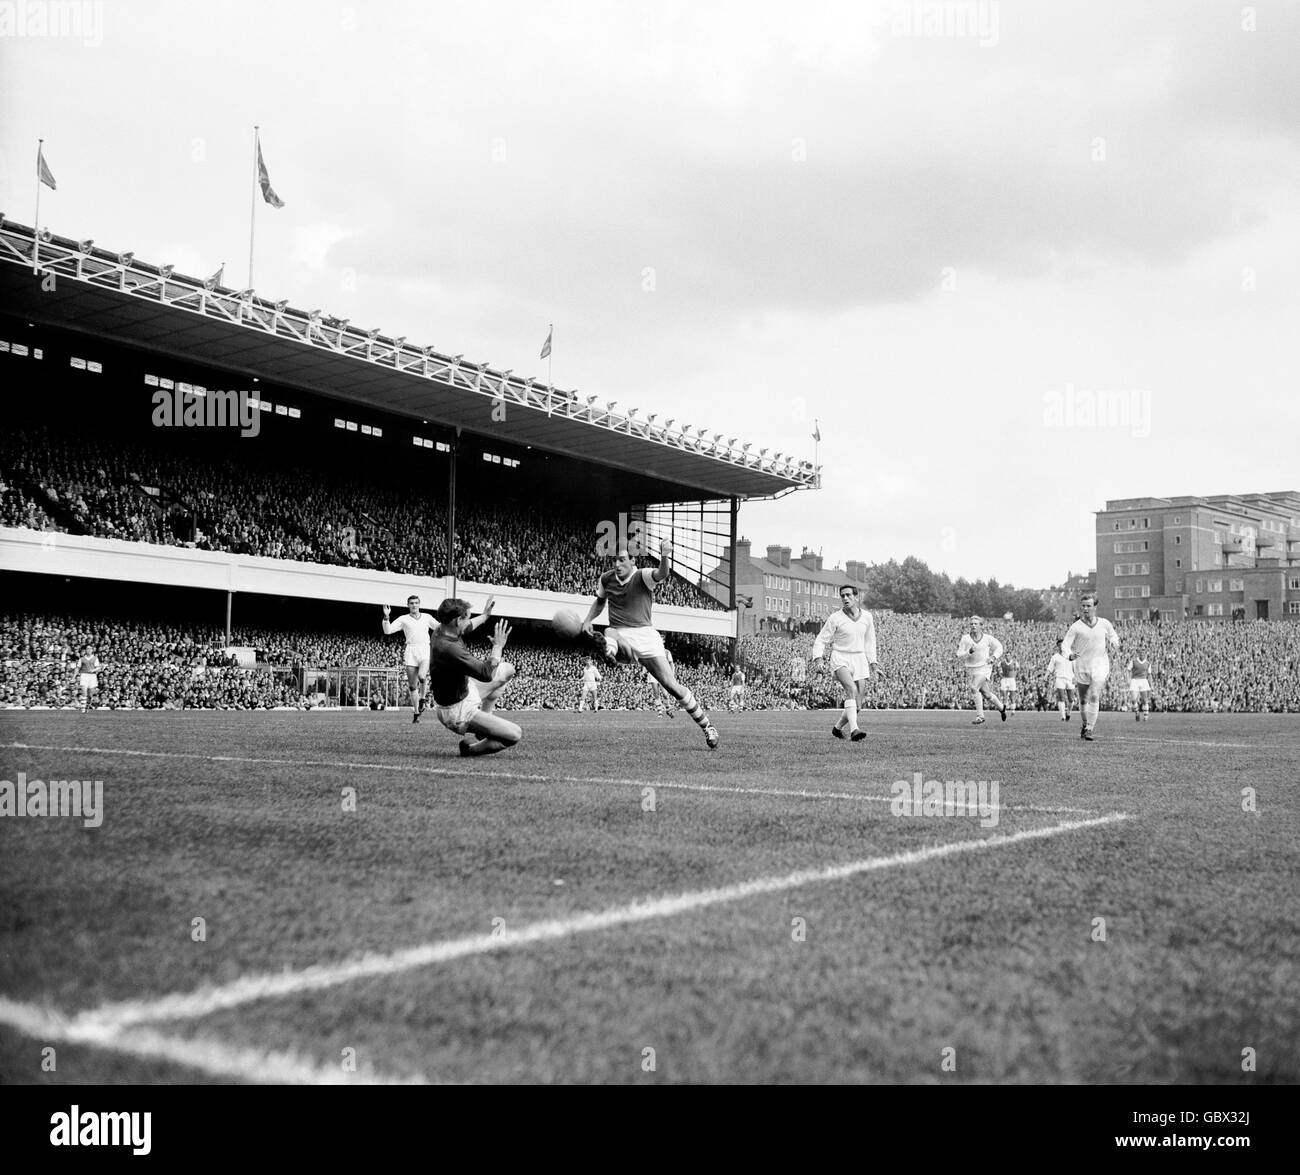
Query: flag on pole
<point>216,279</point>
<point>817,432</point>
<point>546,346</point>
<point>43,172</point>
<point>268,192</point>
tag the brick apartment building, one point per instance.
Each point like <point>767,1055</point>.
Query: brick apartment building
<point>786,592</point>
<point>1222,557</point>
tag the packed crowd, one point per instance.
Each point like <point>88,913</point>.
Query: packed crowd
<point>147,494</point>
<point>1194,666</point>
<point>144,666</point>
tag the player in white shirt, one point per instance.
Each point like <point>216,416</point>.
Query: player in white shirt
<point>590,679</point>
<point>980,650</point>
<point>1086,644</point>
<point>415,626</point>
<point>798,675</point>
<point>851,634</point>
<point>1060,678</point>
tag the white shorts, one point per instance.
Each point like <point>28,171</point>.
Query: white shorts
<point>1064,685</point>
<point>737,691</point>
<point>89,681</point>
<point>979,676</point>
<point>1091,673</point>
<point>457,717</point>
<point>588,687</point>
<point>417,659</point>
<point>640,642</point>
<point>1140,685</point>
<point>1008,683</point>
<point>855,663</point>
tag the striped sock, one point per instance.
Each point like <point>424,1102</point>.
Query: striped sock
<point>695,710</point>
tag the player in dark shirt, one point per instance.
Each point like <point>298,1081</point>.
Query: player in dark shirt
<point>458,703</point>
<point>629,592</point>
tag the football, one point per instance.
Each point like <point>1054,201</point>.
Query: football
<point>566,622</point>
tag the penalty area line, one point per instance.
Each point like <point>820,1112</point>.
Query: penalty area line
<point>112,1018</point>
<point>527,777</point>
<point>256,1066</point>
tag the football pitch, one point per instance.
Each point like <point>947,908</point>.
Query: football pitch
<point>337,897</point>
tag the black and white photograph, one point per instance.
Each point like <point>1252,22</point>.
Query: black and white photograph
<point>650,544</point>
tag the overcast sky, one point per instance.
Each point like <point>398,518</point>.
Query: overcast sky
<point>942,230</point>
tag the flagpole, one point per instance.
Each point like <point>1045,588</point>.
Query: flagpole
<point>36,239</point>
<point>252,213</point>
<point>817,437</point>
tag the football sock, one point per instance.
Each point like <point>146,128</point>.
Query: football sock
<point>1061,706</point>
<point>979,705</point>
<point>695,710</point>
<point>1090,712</point>
<point>851,714</point>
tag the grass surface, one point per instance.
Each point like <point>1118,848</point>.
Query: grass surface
<point>238,819</point>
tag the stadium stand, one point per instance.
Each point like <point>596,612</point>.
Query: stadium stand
<point>1196,667</point>
<point>231,501</point>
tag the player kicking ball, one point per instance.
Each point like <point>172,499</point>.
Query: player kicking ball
<point>460,705</point>
<point>980,650</point>
<point>629,593</point>
<point>851,634</point>
<point>1087,643</point>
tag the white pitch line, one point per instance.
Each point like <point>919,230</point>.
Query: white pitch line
<point>114,1017</point>
<point>207,1056</point>
<point>525,777</point>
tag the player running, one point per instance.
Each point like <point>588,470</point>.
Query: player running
<point>851,633</point>
<point>590,680</point>
<point>629,592</point>
<point>458,703</point>
<point>1139,684</point>
<point>737,701</point>
<point>980,650</point>
<point>1060,679</point>
<point>88,676</point>
<point>1087,643</point>
<point>1007,666</point>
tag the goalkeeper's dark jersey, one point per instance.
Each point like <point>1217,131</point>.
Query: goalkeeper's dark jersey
<point>451,664</point>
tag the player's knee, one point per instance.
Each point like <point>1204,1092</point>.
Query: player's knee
<point>512,734</point>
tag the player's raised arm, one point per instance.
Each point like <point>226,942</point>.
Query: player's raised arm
<point>665,562</point>
<point>389,629</point>
<point>481,620</point>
